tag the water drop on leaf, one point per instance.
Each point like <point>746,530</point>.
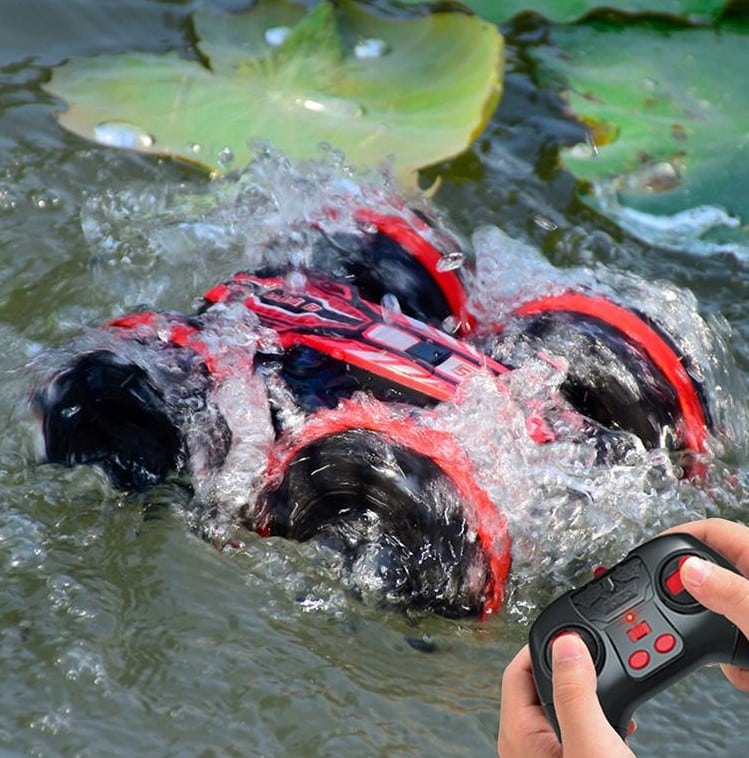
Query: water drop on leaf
<point>293,77</point>
<point>336,107</point>
<point>276,35</point>
<point>371,47</point>
<point>123,134</point>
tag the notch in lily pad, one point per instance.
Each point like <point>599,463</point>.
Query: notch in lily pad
<point>412,91</point>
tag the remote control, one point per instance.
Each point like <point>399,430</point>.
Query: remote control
<point>643,629</point>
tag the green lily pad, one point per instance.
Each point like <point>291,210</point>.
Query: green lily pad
<point>667,110</point>
<point>414,90</point>
<point>567,11</point>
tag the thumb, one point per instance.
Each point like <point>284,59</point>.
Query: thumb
<point>583,726</point>
<point>718,589</point>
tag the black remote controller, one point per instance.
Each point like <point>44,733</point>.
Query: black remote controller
<point>643,629</point>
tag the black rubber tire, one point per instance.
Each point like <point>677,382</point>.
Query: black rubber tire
<point>388,509</point>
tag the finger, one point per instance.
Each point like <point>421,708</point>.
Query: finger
<point>518,690</point>
<point>631,728</point>
<point>524,729</point>
<point>718,589</point>
<point>729,538</point>
<point>737,676</point>
<point>575,700</point>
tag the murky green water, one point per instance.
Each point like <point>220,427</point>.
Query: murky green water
<point>120,632</point>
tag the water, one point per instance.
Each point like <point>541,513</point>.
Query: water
<point>370,47</point>
<point>120,631</point>
<point>122,134</point>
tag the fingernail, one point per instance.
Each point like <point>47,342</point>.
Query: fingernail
<point>567,647</point>
<point>695,570</point>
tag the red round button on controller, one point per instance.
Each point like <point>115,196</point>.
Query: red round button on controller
<point>639,659</point>
<point>665,643</point>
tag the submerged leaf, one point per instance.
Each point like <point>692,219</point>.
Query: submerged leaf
<point>418,96</point>
<point>668,111</point>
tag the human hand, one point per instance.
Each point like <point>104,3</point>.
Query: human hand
<point>717,588</point>
<point>524,730</point>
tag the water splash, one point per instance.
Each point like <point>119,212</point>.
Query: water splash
<point>451,325</point>
<point>565,513</point>
<point>296,280</point>
<point>509,272</point>
<point>155,242</point>
<point>161,242</point>
<point>391,307</point>
<point>225,157</point>
<point>451,261</point>
<point>46,199</point>
<point>679,232</point>
<point>8,198</point>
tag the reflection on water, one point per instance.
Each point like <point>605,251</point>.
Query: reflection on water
<point>113,615</point>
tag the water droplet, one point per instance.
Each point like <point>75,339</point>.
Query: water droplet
<point>225,157</point>
<point>8,199</point>
<point>194,147</point>
<point>268,342</point>
<point>660,177</point>
<point>544,222</point>
<point>583,150</point>
<point>296,280</point>
<point>451,261</point>
<point>371,47</point>
<point>338,107</point>
<point>45,200</point>
<point>276,35</point>
<point>123,134</point>
<point>451,324</point>
<point>391,308</point>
